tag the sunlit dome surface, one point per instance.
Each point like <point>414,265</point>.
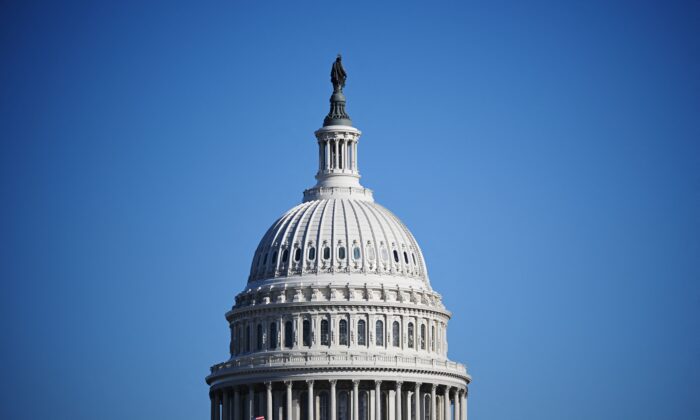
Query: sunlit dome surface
<point>339,240</point>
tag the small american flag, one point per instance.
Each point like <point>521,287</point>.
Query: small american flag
<point>260,418</point>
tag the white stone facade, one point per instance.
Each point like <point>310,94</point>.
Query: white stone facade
<point>338,320</point>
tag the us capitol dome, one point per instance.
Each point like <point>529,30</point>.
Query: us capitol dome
<point>338,319</point>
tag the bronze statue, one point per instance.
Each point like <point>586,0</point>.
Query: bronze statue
<point>338,75</point>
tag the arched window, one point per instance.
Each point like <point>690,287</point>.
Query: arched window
<point>426,406</point>
<point>413,404</point>
<point>285,255</point>
<point>343,406</point>
<point>325,335</point>
<point>410,335</point>
<point>379,333</point>
<point>288,334</point>
<point>247,338</point>
<point>341,253</point>
<point>312,254</point>
<point>432,338</point>
<point>259,337</point>
<point>297,254</point>
<point>361,333</point>
<point>303,406</point>
<point>273,336</point>
<point>307,333</point>
<point>343,327</point>
<point>396,256</point>
<point>396,334</point>
<point>323,406</point>
<point>414,258</point>
<point>385,406</point>
<point>405,257</point>
<point>422,337</point>
<point>356,253</point>
<point>364,405</point>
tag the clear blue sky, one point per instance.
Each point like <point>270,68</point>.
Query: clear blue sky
<point>545,154</point>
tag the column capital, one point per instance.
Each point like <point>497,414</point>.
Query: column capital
<point>377,383</point>
<point>333,382</point>
<point>355,383</point>
<point>310,383</point>
<point>268,385</point>
<point>289,383</point>
<point>418,385</point>
<point>433,387</point>
<point>399,384</point>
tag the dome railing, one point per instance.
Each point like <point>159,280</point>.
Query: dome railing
<point>338,360</point>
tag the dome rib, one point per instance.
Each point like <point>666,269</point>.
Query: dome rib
<point>335,223</point>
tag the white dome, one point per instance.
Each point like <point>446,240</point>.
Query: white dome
<point>339,240</point>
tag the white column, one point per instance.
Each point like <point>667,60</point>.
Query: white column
<point>311,404</point>
<point>457,416</point>
<point>332,408</point>
<point>225,407</point>
<point>464,404</point>
<point>433,403</point>
<point>378,400</point>
<point>398,400</point>
<point>290,416</point>
<point>251,402</point>
<point>216,402</point>
<point>354,154</point>
<point>236,404</point>
<point>268,400</point>
<point>335,148</point>
<point>408,405</point>
<point>355,400</point>
<point>417,407</point>
<point>446,401</point>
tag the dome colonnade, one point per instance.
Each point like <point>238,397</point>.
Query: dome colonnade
<point>338,319</point>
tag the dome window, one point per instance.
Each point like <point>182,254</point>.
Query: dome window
<point>288,334</point>
<point>356,253</point>
<point>379,333</point>
<point>396,256</point>
<point>405,257</point>
<point>343,327</point>
<point>370,253</point>
<point>265,259</point>
<point>297,254</point>
<point>325,336</point>
<point>273,336</point>
<point>306,333</point>
<point>414,258</point>
<point>396,334</point>
<point>285,255</point>
<point>341,253</point>
<point>410,335</point>
<point>326,253</point>
<point>312,253</point>
<point>361,333</point>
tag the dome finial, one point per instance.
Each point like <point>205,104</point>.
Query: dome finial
<point>337,114</point>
